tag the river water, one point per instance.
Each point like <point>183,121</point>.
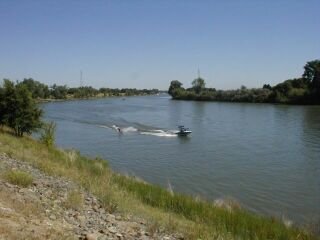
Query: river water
<point>265,156</point>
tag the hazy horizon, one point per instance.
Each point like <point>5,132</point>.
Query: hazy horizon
<point>146,44</point>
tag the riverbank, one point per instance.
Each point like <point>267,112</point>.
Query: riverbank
<point>53,207</point>
<point>101,96</point>
<point>298,91</point>
<point>165,213</point>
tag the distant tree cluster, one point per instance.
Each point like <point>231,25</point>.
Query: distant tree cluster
<point>127,91</point>
<point>42,91</point>
<point>304,90</point>
<point>18,109</point>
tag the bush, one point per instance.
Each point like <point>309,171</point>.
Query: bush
<point>48,134</point>
<point>19,178</point>
<point>74,200</point>
<point>18,109</point>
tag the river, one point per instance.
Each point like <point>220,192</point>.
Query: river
<point>265,156</point>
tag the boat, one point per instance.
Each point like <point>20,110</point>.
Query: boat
<point>183,131</point>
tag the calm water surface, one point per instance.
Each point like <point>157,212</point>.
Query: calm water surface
<point>265,156</point>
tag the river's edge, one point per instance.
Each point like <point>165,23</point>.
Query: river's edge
<point>164,213</point>
<point>57,208</point>
<point>49,100</point>
<point>258,103</point>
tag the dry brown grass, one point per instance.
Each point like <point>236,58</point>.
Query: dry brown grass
<point>74,200</point>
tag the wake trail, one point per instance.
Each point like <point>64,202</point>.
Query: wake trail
<point>142,131</point>
<point>159,133</point>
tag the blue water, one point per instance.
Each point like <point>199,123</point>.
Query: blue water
<point>265,156</point>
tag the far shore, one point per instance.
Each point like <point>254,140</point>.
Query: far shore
<point>47,100</point>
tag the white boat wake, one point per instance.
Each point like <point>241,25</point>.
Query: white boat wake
<point>129,129</point>
<point>152,132</point>
<point>159,133</point>
<point>124,129</point>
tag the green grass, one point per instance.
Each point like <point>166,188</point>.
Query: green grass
<point>196,219</point>
<point>19,178</point>
<point>238,222</point>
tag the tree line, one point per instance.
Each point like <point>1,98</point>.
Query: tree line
<point>303,90</point>
<point>42,91</point>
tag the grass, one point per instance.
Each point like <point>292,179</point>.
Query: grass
<point>19,178</point>
<point>196,219</point>
<point>74,200</point>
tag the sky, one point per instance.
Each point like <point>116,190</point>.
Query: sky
<point>148,43</point>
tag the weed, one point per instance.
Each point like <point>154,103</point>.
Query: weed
<point>19,178</point>
<point>153,228</point>
<point>74,200</point>
<point>48,134</point>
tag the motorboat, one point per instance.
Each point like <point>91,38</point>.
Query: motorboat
<point>183,131</point>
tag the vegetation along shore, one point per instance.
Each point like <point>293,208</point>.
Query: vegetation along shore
<point>45,93</point>
<point>90,185</point>
<point>303,90</point>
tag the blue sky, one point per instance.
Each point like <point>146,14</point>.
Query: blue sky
<point>146,44</point>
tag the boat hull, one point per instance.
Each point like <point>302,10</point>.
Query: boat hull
<point>184,133</point>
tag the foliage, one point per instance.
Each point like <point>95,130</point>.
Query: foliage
<point>37,89</point>
<point>312,76</point>
<point>198,84</point>
<point>312,73</point>
<point>126,91</point>
<point>83,92</point>
<point>48,134</point>
<point>174,86</point>
<point>74,200</point>
<point>41,91</point>
<point>18,109</point>
<point>58,92</point>
<point>19,178</point>
<point>305,90</point>
<point>2,107</point>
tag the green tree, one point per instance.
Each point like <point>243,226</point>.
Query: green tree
<point>20,112</point>
<point>198,85</point>
<point>7,101</point>
<point>174,85</point>
<point>2,107</point>
<point>59,92</point>
<point>312,73</point>
<point>243,88</point>
<point>37,89</point>
<point>267,86</point>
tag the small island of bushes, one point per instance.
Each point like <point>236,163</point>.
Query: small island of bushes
<point>303,90</point>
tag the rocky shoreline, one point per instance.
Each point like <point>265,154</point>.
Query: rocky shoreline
<point>40,211</point>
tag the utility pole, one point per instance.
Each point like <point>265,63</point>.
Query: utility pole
<point>198,73</point>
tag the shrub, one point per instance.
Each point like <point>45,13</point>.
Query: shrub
<point>74,200</point>
<point>19,178</point>
<point>18,110</point>
<point>48,134</point>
